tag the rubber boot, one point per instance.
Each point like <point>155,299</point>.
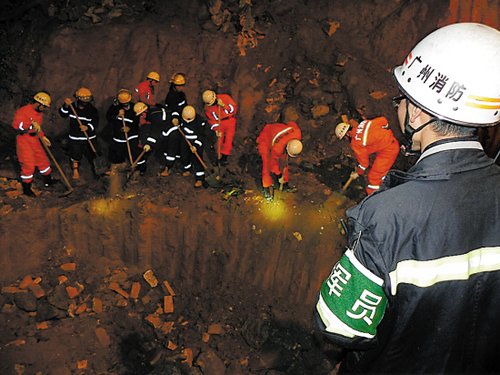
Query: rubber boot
<point>223,160</point>
<point>165,172</point>
<point>48,180</point>
<point>76,175</point>
<point>27,189</point>
<point>186,173</point>
<point>267,194</point>
<point>289,189</point>
<point>198,184</point>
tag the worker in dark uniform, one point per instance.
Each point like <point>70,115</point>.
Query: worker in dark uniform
<point>86,115</point>
<point>194,128</point>
<point>176,100</point>
<point>125,124</point>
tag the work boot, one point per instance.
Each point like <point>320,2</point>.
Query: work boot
<point>76,175</point>
<point>223,160</point>
<point>186,174</point>
<point>289,189</point>
<point>27,189</point>
<point>267,194</point>
<point>198,184</point>
<point>48,180</point>
<point>165,172</point>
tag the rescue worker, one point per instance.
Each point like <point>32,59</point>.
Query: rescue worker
<point>30,153</point>
<point>125,126</point>
<point>221,110</point>
<point>366,138</point>
<point>145,91</point>
<point>176,100</point>
<point>194,129</point>
<point>88,116</point>
<point>155,120</point>
<point>275,143</point>
<point>417,289</point>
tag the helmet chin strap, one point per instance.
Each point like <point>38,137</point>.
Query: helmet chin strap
<point>407,144</point>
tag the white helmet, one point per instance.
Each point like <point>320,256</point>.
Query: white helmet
<point>342,129</point>
<point>454,74</point>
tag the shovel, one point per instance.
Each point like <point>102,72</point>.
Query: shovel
<point>133,167</point>
<point>100,162</point>
<point>51,155</point>
<point>213,179</point>
<point>346,185</point>
<point>128,144</point>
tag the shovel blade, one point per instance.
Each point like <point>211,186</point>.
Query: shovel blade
<point>213,180</point>
<point>100,165</point>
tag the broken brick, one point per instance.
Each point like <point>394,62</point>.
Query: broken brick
<point>62,279</point>
<point>82,365</point>
<point>72,292</point>
<point>154,320</point>
<point>167,288</point>
<point>188,356</point>
<point>37,290</point>
<point>135,290</point>
<point>97,305</point>
<point>12,290</point>
<point>151,279</point>
<point>205,337</point>
<point>116,288</point>
<point>215,329</point>
<point>68,267</point>
<point>167,327</point>
<point>26,282</point>
<point>42,325</point>
<point>168,304</point>
<point>171,345</point>
<point>81,309</point>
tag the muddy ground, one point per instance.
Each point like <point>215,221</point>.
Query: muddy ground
<point>237,277</point>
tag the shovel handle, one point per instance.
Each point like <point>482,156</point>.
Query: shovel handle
<point>84,131</point>
<point>195,153</point>
<point>346,185</point>
<point>134,164</point>
<point>126,140</point>
<point>51,155</point>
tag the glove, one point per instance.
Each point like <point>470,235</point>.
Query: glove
<point>46,141</point>
<point>193,149</point>
<point>354,175</point>
<point>147,148</point>
<point>121,113</point>
<point>83,128</point>
<point>220,103</point>
<point>218,134</point>
<point>36,126</point>
<point>68,101</point>
<point>175,121</point>
<point>125,129</point>
<point>281,180</point>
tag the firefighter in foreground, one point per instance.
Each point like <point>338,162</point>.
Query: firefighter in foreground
<point>221,110</point>
<point>417,289</point>
<point>125,125</point>
<point>30,153</point>
<point>86,115</point>
<point>275,143</point>
<point>194,128</point>
<point>371,137</point>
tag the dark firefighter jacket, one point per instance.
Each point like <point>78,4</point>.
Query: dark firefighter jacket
<point>89,116</point>
<point>418,289</point>
<point>130,120</point>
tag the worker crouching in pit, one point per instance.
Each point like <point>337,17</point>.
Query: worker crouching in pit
<point>366,138</point>
<point>275,143</point>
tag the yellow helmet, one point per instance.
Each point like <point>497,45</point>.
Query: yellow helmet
<point>124,96</point>
<point>83,94</point>
<point>154,76</point>
<point>139,108</point>
<point>43,98</point>
<point>178,79</point>
<point>342,129</point>
<point>188,113</point>
<point>294,147</point>
<point>209,97</point>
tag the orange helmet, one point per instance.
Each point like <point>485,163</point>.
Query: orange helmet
<point>154,76</point>
<point>83,94</point>
<point>124,96</point>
